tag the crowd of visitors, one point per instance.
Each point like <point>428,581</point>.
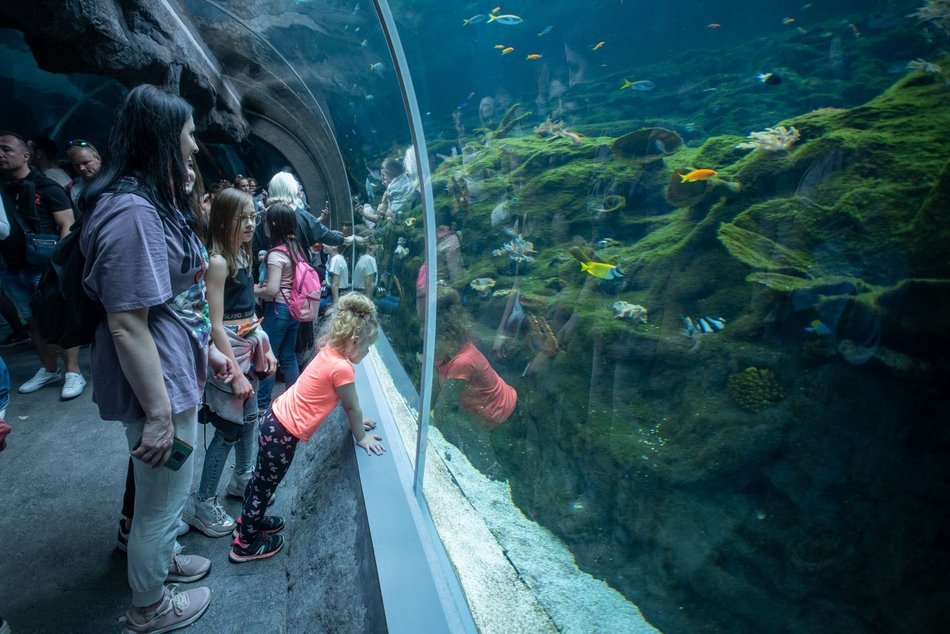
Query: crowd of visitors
<point>194,332</point>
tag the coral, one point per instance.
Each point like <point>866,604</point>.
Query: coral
<point>633,312</point>
<point>551,129</point>
<point>925,66</point>
<point>754,389</point>
<point>775,139</point>
<point>542,335</point>
<point>508,122</point>
<point>518,249</point>
<point>936,11</point>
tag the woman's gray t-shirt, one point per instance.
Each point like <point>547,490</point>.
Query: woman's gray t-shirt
<point>135,260</point>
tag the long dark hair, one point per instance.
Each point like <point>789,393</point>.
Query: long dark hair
<point>145,143</point>
<point>282,223</point>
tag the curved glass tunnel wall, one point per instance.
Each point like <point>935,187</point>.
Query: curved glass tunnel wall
<point>727,410</point>
<point>707,262</point>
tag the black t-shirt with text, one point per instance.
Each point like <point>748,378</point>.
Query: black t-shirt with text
<point>33,199</point>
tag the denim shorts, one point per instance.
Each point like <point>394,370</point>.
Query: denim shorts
<point>20,286</point>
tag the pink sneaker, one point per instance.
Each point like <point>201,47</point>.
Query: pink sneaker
<point>176,610</point>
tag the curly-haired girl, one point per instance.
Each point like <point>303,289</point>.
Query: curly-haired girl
<point>297,413</point>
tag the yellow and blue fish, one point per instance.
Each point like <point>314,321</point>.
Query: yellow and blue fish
<point>818,327</point>
<point>602,270</point>
<point>641,85</point>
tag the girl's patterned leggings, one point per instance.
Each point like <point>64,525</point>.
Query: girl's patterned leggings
<point>276,448</point>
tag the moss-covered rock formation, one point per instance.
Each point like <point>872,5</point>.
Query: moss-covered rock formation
<point>684,459</point>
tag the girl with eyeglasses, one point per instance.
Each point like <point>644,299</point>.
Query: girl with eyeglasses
<point>230,407</point>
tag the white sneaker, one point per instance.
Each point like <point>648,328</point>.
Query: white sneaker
<point>208,516</point>
<point>238,484</point>
<point>73,386</point>
<point>41,378</point>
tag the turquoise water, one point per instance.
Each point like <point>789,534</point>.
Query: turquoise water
<point>729,385</point>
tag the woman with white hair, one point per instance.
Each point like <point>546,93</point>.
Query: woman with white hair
<point>283,188</point>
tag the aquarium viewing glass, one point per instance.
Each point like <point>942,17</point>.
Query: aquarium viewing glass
<point>690,277</point>
<point>691,269</point>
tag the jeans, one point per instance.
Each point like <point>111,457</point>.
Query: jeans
<point>216,457</point>
<point>281,328</point>
<point>160,496</point>
<point>20,286</point>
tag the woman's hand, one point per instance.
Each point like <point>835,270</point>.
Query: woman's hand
<point>368,424</point>
<point>241,387</point>
<point>270,363</point>
<point>372,444</point>
<point>156,444</point>
<point>499,348</point>
<point>220,365</point>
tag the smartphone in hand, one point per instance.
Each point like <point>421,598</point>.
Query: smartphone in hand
<point>180,452</point>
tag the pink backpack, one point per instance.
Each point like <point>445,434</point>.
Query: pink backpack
<point>304,298</point>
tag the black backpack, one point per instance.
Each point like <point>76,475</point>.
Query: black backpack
<point>64,313</point>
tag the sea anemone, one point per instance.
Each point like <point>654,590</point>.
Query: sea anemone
<point>936,11</point>
<point>775,139</point>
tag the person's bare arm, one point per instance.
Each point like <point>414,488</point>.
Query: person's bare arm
<point>335,288</point>
<point>369,285</point>
<point>215,279</point>
<point>269,289</point>
<point>140,363</point>
<point>359,426</point>
<point>64,219</point>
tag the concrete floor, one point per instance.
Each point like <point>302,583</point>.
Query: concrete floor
<point>62,477</point>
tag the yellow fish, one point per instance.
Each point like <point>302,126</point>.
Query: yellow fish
<point>697,175</point>
<point>507,50</point>
<point>602,270</point>
<point>534,56</point>
<point>643,84</point>
<point>500,47</point>
<point>598,46</point>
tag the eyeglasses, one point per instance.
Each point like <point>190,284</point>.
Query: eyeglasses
<point>254,217</point>
<point>80,143</point>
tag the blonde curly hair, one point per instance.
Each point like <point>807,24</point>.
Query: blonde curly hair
<point>351,320</point>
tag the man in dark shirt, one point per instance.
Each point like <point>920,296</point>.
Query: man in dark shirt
<point>42,205</point>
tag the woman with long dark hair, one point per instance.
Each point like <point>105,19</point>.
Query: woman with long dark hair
<point>146,265</point>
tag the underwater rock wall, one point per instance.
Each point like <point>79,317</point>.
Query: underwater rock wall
<point>748,471</point>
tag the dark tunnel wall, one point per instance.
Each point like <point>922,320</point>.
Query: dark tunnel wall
<point>136,42</point>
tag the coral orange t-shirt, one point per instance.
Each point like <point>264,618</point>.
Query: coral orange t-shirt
<point>486,395</point>
<point>308,402</point>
